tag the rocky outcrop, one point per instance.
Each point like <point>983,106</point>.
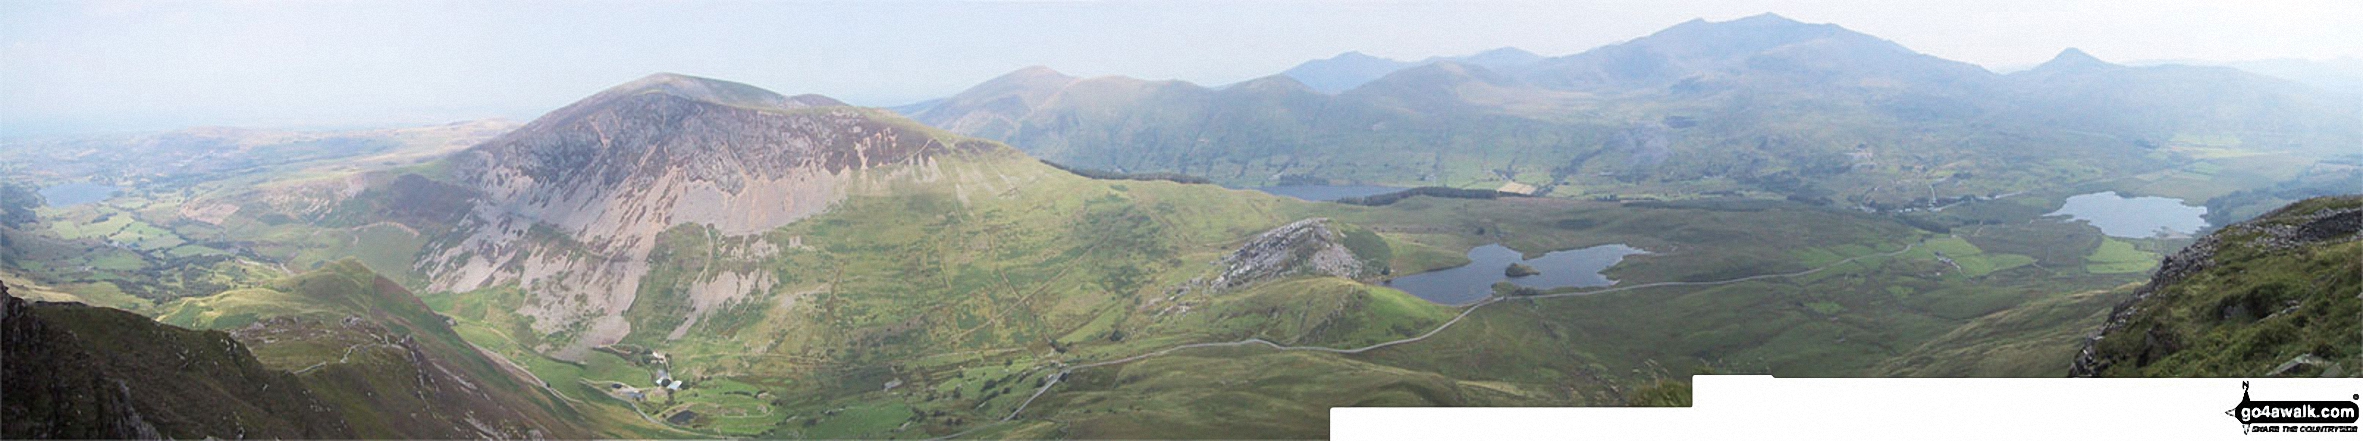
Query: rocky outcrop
<point>1305,247</point>
<point>2284,265</point>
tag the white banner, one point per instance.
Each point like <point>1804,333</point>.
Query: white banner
<point>1758,407</point>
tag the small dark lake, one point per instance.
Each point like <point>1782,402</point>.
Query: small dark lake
<point>66,195</point>
<point>1469,283</point>
<point>1325,193</point>
<point>2146,216</point>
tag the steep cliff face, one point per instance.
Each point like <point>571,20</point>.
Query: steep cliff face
<point>572,203</point>
<point>2276,295</point>
<point>83,372</point>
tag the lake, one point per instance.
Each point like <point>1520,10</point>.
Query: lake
<point>63,195</point>
<point>1325,193</point>
<point>2146,216</point>
<point>1469,283</point>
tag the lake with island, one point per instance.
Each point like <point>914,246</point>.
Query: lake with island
<point>2146,216</point>
<point>67,195</point>
<point>1326,193</point>
<point>1469,283</point>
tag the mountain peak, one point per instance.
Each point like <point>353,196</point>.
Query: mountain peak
<point>1769,18</point>
<point>1430,80</point>
<point>1273,83</point>
<point>1498,58</point>
<point>1767,44</point>
<point>1759,23</point>
<point>613,172</point>
<point>1033,82</point>
<point>2074,55</point>
<point>1504,51</point>
<point>1344,71</point>
<point>715,91</point>
<point>1035,71</point>
<point>2073,59</point>
<point>1744,35</point>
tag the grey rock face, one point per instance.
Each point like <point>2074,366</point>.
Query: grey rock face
<point>1309,246</point>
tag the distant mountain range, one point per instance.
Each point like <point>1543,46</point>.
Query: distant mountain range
<point>1762,104</point>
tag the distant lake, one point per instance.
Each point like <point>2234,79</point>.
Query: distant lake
<point>66,195</point>
<point>1469,283</point>
<point>2146,216</point>
<point>1325,193</point>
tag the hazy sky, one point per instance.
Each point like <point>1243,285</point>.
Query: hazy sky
<point>152,65</point>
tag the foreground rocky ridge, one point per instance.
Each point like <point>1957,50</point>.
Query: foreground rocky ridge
<point>2276,295</point>
<point>81,372</point>
<point>334,353</point>
<point>371,349</point>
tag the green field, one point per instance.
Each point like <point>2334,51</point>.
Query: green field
<point>2116,256</point>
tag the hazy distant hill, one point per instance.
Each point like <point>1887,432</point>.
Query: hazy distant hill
<point>2077,90</point>
<point>2342,75</point>
<point>1759,51</point>
<point>1352,69</point>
